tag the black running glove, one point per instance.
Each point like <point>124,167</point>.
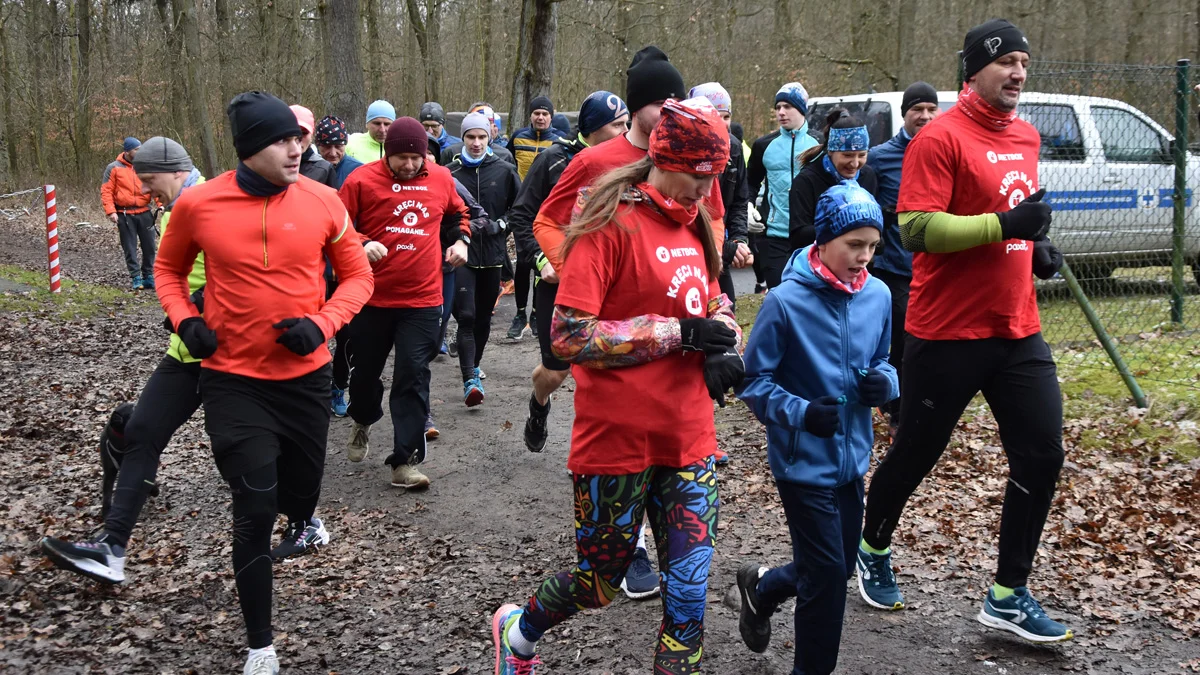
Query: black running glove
<point>1047,259</point>
<point>722,371</point>
<point>706,335</point>
<point>200,340</point>
<point>874,388</point>
<point>1028,220</point>
<point>301,336</point>
<point>197,300</point>
<point>822,416</point>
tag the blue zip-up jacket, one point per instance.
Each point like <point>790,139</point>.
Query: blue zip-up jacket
<point>810,340</point>
<point>886,159</point>
<point>446,140</point>
<point>343,169</point>
<point>778,163</point>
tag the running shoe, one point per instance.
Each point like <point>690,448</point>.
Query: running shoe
<point>262,664</point>
<point>535,427</point>
<point>641,581</point>
<point>760,289</point>
<point>1021,615</point>
<point>96,559</point>
<point>509,662</point>
<point>431,431</point>
<point>444,349</point>
<point>300,540</point>
<point>408,477</point>
<point>479,374</point>
<point>339,406</point>
<point>755,621</point>
<point>473,392</point>
<point>360,442</point>
<point>148,282</point>
<point>518,325</point>
<point>722,458</point>
<point>452,348</point>
<point>877,581</point>
<point>136,284</point>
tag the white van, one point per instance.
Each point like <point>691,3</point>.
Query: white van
<point>1106,166</point>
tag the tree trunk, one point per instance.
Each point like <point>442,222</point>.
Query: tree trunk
<point>83,85</point>
<point>534,72</point>
<point>374,48</point>
<point>782,36</point>
<point>38,21</point>
<point>188,25</point>
<point>171,69</point>
<point>343,64</point>
<point>8,91</point>
<point>224,50</point>
<point>485,14</point>
<point>425,30</point>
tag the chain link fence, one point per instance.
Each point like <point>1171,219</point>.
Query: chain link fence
<point>1114,174</point>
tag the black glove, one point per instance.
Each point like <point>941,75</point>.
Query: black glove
<point>1028,220</point>
<point>301,336</point>
<point>722,371</point>
<point>729,251</point>
<point>197,300</point>
<point>200,340</point>
<point>1047,259</point>
<point>822,417</point>
<point>874,388</point>
<point>706,335</point>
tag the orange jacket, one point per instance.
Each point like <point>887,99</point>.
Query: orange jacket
<point>122,189</point>
<point>264,262</point>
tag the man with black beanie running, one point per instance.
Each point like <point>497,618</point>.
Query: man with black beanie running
<point>971,210</point>
<point>264,378</point>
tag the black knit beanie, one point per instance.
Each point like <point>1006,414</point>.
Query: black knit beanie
<point>258,119</point>
<point>989,41</point>
<point>541,103</point>
<point>650,78</point>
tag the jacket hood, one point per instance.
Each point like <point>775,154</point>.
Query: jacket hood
<point>121,158</point>
<point>799,270</point>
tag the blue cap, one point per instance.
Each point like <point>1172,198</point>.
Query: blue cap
<point>795,94</point>
<point>381,108</point>
<point>598,109</point>
<point>131,143</point>
<point>845,207</point>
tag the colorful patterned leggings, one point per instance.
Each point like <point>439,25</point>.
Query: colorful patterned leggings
<point>682,506</point>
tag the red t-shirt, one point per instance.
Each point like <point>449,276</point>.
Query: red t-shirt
<point>406,217</point>
<point>590,164</point>
<point>956,165</point>
<point>657,413</point>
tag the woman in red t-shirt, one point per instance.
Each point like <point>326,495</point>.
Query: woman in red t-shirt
<point>652,340</point>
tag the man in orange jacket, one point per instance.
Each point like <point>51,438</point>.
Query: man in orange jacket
<point>264,378</point>
<point>128,208</point>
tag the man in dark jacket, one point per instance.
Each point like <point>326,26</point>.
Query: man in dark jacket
<point>603,116</point>
<point>433,118</point>
<point>312,166</point>
<point>494,184</point>
<point>331,139</point>
<point>735,190</point>
<point>893,265</point>
<point>527,143</point>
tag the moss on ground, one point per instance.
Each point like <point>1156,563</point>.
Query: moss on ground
<point>77,299</point>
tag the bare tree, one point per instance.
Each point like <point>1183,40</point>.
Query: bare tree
<point>197,101</point>
<point>343,65</point>
<point>83,85</point>
<point>534,70</point>
<point>425,20</point>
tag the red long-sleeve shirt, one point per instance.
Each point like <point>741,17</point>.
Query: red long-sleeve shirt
<point>409,218</point>
<point>264,263</point>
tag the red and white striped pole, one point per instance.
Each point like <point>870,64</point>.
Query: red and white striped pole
<point>52,240</point>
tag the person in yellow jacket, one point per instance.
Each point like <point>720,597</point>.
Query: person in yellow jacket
<point>169,399</point>
<point>368,147</point>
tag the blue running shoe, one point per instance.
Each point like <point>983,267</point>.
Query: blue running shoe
<point>443,349</point>
<point>148,282</point>
<point>473,392</point>
<point>339,406</point>
<point>509,662</point>
<point>137,283</point>
<point>877,582</point>
<point>1020,614</point>
<point>479,374</point>
<point>641,580</point>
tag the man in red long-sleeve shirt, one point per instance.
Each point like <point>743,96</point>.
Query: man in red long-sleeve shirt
<point>410,219</point>
<point>264,378</point>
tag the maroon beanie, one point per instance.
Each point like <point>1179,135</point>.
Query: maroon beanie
<point>406,135</point>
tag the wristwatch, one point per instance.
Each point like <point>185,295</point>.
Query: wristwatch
<point>465,238</point>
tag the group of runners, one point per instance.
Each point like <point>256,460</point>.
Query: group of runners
<point>630,225</point>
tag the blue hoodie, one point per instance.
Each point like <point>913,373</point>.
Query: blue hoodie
<point>809,341</point>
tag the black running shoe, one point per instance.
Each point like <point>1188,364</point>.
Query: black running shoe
<point>300,540</point>
<point>535,427</point>
<point>755,621</point>
<point>95,559</point>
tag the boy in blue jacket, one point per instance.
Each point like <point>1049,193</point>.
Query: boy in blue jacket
<point>816,364</point>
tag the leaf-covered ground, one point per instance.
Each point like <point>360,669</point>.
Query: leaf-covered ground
<point>410,580</point>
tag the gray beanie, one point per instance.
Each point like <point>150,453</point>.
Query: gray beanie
<point>432,112</point>
<point>161,155</point>
<point>476,120</point>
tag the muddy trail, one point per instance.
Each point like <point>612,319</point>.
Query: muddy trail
<point>410,580</point>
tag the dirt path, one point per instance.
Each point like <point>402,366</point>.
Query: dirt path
<point>410,580</point>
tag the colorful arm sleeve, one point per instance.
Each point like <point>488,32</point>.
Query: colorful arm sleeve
<point>585,340</point>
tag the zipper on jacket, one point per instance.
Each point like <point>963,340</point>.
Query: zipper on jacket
<point>843,456</point>
<point>266,261</point>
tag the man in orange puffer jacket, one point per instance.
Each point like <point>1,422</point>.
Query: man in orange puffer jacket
<point>128,208</point>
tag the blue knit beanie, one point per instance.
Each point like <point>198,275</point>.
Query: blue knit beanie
<point>795,94</point>
<point>845,207</point>
<point>381,108</point>
<point>131,143</point>
<point>599,109</point>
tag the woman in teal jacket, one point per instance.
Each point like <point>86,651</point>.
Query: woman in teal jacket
<point>816,364</point>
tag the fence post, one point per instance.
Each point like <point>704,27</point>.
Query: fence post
<point>1182,94</point>
<point>52,239</point>
<point>1110,346</point>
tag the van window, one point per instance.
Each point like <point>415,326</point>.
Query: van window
<point>876,114</point>
<point>1128,138</point>
<point>1059,128</point>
